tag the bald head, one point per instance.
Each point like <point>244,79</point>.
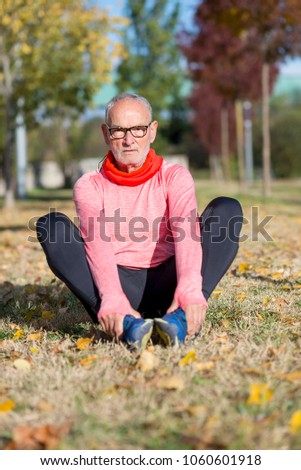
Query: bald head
<point>127,96</point>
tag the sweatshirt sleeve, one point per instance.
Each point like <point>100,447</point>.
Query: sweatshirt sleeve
<point>88,199</point>
<point>185,227</point>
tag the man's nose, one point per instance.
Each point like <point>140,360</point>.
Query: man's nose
<point>128,138</point>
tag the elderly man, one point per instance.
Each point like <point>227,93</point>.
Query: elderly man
<point>139,259</point>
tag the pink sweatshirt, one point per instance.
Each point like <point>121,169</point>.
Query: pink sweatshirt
<point>140,227</point>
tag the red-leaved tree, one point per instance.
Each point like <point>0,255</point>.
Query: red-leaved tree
<point>224,70</point>
<point>267,29</point>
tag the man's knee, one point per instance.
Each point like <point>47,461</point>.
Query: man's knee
<point>53,228</point>
<point>226,207</point>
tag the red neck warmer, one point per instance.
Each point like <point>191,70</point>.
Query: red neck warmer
<point>149,168</point>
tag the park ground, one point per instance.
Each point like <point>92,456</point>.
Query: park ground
<point>237,386</point>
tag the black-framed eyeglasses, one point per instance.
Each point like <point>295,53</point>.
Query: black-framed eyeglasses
<point>120,132</point>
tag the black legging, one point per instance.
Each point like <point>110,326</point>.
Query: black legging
<point>150,291</point>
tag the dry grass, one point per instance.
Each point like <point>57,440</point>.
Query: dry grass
<point>252,335</point>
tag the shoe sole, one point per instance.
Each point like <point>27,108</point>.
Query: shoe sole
<point>167,338</point>
<point>145,339</point>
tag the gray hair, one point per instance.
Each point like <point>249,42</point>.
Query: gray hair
<point>124,96</point>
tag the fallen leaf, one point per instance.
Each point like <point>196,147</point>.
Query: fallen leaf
<point>217,293</point>
<point>84,343</point>
<point>251,371</point>
<point>19,334</point>
<point>45,406</point>
<point>46,437</point>
<point>242,267</point>
<point>293,376</point>
<point>147,361</point>
<point>241,297</point>
<point>260,393</point>
<point>205,365</point>
<point>295,422</point>
<point>226,324</point>
<point>46,314</point>
<point>222,338</point>
<point>63,310</point>
<point>35,336</point>
<point>188,359</point>
<point>6,406</point>
<point>22,364</point>
<point>33,350</point>
<point>173,382</point>
<point>277,275</point>
<point>87,361</point>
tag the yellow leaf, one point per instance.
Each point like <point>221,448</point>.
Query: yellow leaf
<point>35,336</point>
<point>242,267</point>
<point>33,350</point>
<point>6,406</point>
<point>195,410</point>
<point>222,338</point>
<point>205,365</point>
<point>22,364</point>
<point>295,422</point>
<point>293,376</point>
<point>45,406</point>
<point>188,359</point>
<point>173,382</point>
<point>6,19</point>
<point>147,361</point>
<point>217,293</point>
<point>25,48</point>
<point>265,301</point>
<point>260,393</point>
<point>19,334</point>
<point>46,314</point>
<point>84,343</point>
<point>241,297</point>
<point>226,324</point>
<point>251,371</point>
<point>277,275</point>
<point>87,361</point>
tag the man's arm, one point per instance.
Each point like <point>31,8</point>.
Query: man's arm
<point>185,227</point>
<point>88,199</point>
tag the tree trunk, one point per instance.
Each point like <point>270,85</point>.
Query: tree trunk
<point>9,190</point>
<point>225,142</point>
<point>240,141</point>
<point>216,173</point>
<point>266,151</point>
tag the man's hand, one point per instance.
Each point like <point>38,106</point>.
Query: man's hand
<point>195,316</point>
<point>112,323</point>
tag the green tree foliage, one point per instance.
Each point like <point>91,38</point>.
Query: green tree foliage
<point>152,66</point>
<point>285,137</point>
<point>54,54</point>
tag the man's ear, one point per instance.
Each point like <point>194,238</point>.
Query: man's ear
<point>105,134</point>
<point>153,130</point>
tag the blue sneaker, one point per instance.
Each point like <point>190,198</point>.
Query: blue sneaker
<point>172,327</point>
<point>137,331</point>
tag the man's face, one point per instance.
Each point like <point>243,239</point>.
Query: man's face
<point>130,152</point>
